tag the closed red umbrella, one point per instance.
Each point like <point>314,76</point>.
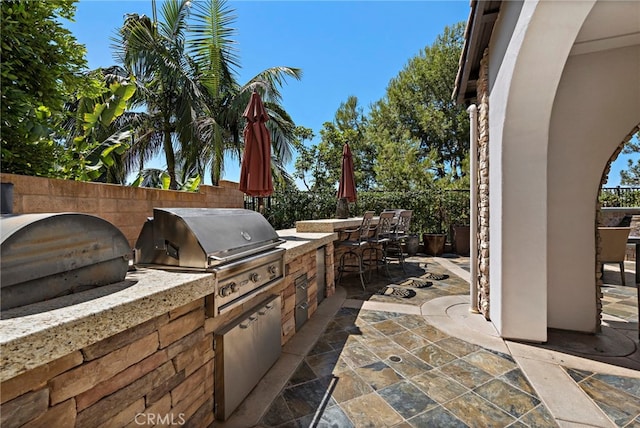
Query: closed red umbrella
<point>255,171</point>
<point>347,186</point>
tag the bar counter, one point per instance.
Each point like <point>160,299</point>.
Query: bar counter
<point>329,225</point>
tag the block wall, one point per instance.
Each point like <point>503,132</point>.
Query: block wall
<point>125,207</point>
<point>159,371</point>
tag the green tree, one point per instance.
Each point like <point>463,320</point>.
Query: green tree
<point>418,109</point>
<point>400,166</point>
<point>97,132</point>
<point>631,176</point>
<point>41,65</point>
<point>185,65</point>
<point>305,160</point>
<point>322,163</point>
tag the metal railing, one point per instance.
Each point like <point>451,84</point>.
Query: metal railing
<point>620,197</point>
<point>252,203</point>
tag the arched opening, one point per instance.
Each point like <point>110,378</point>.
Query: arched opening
<point>618,220</point>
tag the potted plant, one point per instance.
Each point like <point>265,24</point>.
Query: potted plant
<point>460,232</point>
<point>461,236</point>
<point>412,243</point>
<point>434,238</point>
<point>434,243</point>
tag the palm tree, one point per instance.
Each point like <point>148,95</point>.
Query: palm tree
<point>184,66</point>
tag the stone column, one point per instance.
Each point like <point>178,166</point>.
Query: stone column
<point>483,186</point>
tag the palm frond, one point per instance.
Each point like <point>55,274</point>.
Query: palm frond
<point>211,43</point>
<point>268,81</point>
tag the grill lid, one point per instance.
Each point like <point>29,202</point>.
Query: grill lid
<point>52,254</point>
<point>203,237</point>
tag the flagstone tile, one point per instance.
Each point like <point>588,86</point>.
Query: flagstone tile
<point>337,339</point>
<point>620,406</point>
<point>332,416</point>
<point>320,347</point>
<point>322,364</point>
<point>341,365</point>
<point>409,340</point>
<point>516,378</point>
<point>539,417</point>
<point>358,356</point>
<point>375,316</point>
<point>278,413</point>
<point>385,348</point>
<point>389,327</point>
<point>457,347</point>
<point>465,373</point>
<point>308,397</point>
<point>367,333</point>
<point>411,321</point>
<point>407,364</point>
<point>371,411</point>
<point>430,332</point>
<point>348,385</point>
<point>494,363</point>
<point>508,398</point>
<point>379,375</point>
<point>304,373</point>
<point>439,387</point>
<point>437,417</point>
<point>477,412</point>
<point>434,355</point>
<point>627,384</point>
<point>406,399</point>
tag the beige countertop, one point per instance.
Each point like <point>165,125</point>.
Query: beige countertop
<point>36,334</point>
<point>329,224</point>
<point>299,243</point>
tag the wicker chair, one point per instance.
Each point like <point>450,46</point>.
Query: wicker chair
<point>613,245</point>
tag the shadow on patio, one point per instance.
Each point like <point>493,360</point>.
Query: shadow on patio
<point>384,360</point>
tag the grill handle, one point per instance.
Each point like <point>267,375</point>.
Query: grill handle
<point>216,260</point>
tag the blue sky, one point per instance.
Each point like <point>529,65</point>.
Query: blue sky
<point>343,47</point>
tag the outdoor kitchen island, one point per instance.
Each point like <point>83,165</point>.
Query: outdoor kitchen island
<point>141,351</point>
<point>337,226</point>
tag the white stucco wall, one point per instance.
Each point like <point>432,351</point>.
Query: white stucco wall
<point>523,88</point>
<point>597,104</point>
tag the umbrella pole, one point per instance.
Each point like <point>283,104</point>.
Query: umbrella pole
<point>342,209</point>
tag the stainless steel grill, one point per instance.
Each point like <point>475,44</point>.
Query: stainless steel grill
<point>53,254</point>
<point>237,245</point>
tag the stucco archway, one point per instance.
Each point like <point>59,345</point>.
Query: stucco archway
<point>560,91</point>
<point>597,104</point>
<point>525,73</point>
<point>598,264</point>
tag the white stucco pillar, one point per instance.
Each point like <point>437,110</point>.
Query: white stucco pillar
<point>527,60</point>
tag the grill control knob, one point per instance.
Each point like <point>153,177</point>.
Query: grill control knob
<point>254,277</point>
<point>273,269</point>
<point>227,290</point>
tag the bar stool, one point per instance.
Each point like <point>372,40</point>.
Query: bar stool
<point>356,242</point>
<point>377,249</point>
<point>398,235</point>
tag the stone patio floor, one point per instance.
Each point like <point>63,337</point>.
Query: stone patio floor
<point>370,360</point>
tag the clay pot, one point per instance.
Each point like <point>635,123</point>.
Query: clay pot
<point>434,243</point>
